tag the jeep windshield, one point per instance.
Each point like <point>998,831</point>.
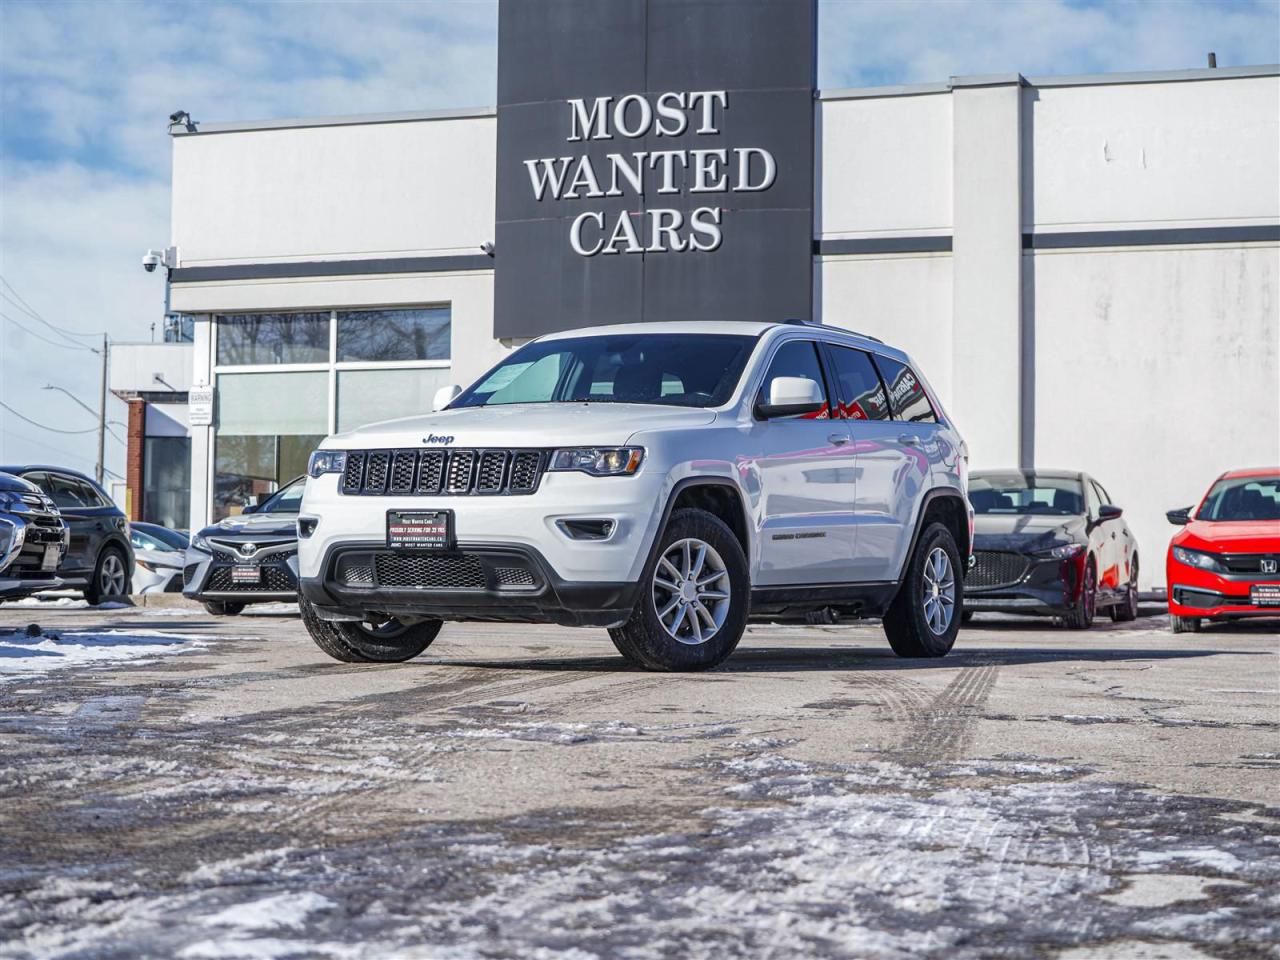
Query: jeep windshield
<point>672,369</point>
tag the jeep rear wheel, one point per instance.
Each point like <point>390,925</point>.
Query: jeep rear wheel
<point>381,641</point>
<point>924,618</point>
<point>694,594</point>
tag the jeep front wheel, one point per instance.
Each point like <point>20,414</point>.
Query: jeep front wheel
<point>385,641</point>
<point>694,594</point>
<point>924,618</point>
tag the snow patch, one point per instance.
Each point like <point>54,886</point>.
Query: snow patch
<point>271,913</point>
<point>21,655</point>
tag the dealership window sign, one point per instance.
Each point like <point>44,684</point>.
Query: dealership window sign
<point>654,162</point>
<point>650,172</point>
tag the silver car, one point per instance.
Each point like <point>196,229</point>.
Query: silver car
<point>663,480</point>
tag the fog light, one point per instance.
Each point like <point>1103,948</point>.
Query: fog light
<point>307,526</point>
<point>587,529</point>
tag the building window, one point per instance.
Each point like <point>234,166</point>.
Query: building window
<point>330,370</point>
<point>394,334</point>
<point>367,396</point>
<point>268,424</point>
<point>263,338</point>
<point>166,483</point>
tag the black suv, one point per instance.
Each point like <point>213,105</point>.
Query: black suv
<point>99,559</point>
<point>32,539</point>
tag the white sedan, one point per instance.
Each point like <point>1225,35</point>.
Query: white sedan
<point>159,554</point>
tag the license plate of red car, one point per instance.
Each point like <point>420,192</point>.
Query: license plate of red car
<point>1265,594</point>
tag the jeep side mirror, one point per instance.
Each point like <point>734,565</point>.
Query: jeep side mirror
<point>1109,511</point>
<point>1179,518</point>
<point>445,396</point>
<point>792,397</point>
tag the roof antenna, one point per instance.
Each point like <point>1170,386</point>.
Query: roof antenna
<point>1213,60</point>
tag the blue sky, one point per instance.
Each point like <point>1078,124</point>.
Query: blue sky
<point>86,88</point>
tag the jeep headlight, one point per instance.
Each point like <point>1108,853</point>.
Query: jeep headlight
<point>1194,558</point>
<point>599,461</point>
<point>326,461</point>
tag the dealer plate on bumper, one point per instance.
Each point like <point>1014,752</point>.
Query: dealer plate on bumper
<point>420,529</point>
<point>246,573</point>
<point>1265,594</point>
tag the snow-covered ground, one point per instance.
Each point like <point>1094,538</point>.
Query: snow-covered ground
<point>22,655</point>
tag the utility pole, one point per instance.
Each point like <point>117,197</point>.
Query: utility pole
<point>102,417</point>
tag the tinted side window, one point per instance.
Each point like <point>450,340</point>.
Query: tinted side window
<point>797,358</point>
<point>68,492</point>
<point>91,495</point>
<point>906,395</point>
<point>862,395</point>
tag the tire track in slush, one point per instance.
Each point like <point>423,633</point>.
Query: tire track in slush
<point>943,728</point>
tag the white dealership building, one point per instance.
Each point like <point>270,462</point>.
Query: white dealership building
<point>1086,268</point>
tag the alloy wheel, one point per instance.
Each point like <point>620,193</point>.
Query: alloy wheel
<point>938,591</point>
<point>691,591</point>
<point>111,577</point>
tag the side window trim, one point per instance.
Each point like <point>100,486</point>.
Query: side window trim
<point>827,349</point>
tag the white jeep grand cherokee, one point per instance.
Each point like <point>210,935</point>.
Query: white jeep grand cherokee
<point>663,480</point>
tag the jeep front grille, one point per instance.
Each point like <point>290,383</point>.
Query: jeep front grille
<point>449,473</point>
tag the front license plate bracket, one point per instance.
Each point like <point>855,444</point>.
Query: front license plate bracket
<point>420,529</point>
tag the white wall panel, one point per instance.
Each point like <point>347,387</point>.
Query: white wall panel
<point>1155,370</point>
<point>1200,153</point>
<point>396,189</point>
<point>884,167</point>
<point>904,300</point>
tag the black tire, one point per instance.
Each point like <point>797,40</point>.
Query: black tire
<point>911,631</point>
<point>351,642</point>
<point>1126,610</point>
<point>646,640</point>
<point>1080,616</point>
<point>222,608</point>
<point>1185,624</point>
<point>111,576</point>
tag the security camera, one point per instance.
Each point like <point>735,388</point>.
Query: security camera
<point>486,248</point>
<point>152,259</point>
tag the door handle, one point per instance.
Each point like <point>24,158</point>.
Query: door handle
<point>837,438</point>
<point>910,439</point>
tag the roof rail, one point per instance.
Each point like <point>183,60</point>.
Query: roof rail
<point>796,322</point>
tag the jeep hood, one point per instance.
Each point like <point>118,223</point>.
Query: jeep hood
<point>524,425</point>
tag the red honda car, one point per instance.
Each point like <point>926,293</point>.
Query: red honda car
<point>1225,562</point>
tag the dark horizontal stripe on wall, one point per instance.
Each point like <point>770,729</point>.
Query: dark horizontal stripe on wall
<point>830,248</point>
<point>331,268</point>
<point>1150,238</point>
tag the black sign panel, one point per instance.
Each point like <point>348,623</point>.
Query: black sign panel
<point>420,529</point>
<point>655,162</point>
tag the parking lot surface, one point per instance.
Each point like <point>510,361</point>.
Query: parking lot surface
<point>175,785</point>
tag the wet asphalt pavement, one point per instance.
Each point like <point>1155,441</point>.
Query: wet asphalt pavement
<point>224,790</point>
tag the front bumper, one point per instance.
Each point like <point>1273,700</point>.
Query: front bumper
<point>1204,593</point>
<point>1031,585</point>
<point>477,581</point>
<point>633,504</point>
<point>208,577</point>
<point>22,566</point>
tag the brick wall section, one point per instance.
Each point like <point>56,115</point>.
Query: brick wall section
<point>134,456</point>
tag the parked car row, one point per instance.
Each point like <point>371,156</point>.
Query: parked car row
<point>1053,543</point>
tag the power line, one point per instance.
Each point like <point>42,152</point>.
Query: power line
<point>36,423</point>
<point>36,316</point>
<point>39,336</point>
